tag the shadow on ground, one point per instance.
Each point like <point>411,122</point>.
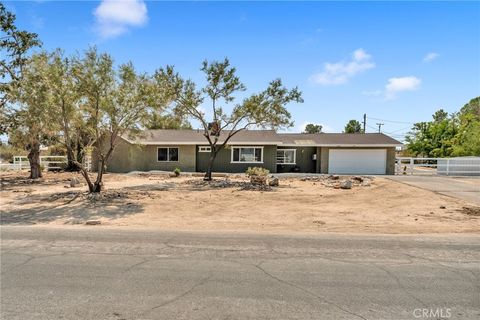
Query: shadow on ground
<point>73,207</point>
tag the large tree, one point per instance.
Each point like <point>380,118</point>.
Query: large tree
<point>114,102</point>
<point>33,125</point>
<point>353,126</point>
<point>312,128</point>
<point>65,99</point>
<point>266,109</point>
<point>14,47</point>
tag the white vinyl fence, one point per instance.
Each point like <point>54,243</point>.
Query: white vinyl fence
<point>461,166</point>
<point>48,162</point>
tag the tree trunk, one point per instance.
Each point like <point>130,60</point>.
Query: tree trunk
<point>71,163</point>
<point>208,174</point>
<point>98,184</point>
<point>34,158</point>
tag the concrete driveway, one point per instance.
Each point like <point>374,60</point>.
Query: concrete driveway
<point>465,188</point>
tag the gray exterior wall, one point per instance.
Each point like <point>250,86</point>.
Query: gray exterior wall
<point>223,161</point>
<point>129,157</point>
<point>324,152</point>
<point>304,160</point>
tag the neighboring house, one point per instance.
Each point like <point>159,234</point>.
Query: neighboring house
<point>339,153</point>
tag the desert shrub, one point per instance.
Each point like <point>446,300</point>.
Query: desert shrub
<point>177,171</point>
<point>7,152</point>
<point>257,171</point>
<point>258,175</point>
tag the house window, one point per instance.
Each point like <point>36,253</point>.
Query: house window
<point>204,149</point>
<point>247,154</point>
<point>167,154</point>
<point>286,156</point>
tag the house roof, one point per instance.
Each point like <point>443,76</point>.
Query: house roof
<point>337,139</point>
<point>164,136</point>
<point>265,137</point>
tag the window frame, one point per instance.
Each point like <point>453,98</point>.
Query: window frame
<point>168,154</point>
<point>240,153</point>
<point>294,156</point>
<point>205,149</point>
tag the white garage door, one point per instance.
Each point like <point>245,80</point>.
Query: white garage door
<point>357,161</point>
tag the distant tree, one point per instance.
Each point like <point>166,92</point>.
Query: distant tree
<point>467,140</point>
<point>353,126</point>
<point>313,128</point>
<point>440,115</point>
<point>472,107</point>
<point>261,110</point>
<point>14,46</point>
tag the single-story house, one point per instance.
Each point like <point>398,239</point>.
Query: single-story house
<point>188,150</point>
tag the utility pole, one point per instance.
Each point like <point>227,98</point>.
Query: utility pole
<point>364,122</point>
<point>380,126</point>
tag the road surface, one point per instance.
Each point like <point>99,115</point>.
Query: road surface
<point>97,273</point>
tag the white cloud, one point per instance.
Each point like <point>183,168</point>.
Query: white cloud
<point>340,72</point>
<point>399,84</point>
<point>430,57</point>
<point>115,17</point>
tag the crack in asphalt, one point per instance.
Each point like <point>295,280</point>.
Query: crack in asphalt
<point>400,284</point>
<point>307,291</point>
<point>180,296</point>
<point>457,271</point>
<point>31,258</point>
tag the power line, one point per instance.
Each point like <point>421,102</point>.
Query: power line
<point>391,121</point>
<point>399,130</point>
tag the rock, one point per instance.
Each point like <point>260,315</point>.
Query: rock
<point>359,179</point>
<point>366,183</point>
<point>74,182</point>
<point>333,177</point>
<point>273,182</point>
<point>347,184</point>
<point>92,222</point>
<point>443,207</point>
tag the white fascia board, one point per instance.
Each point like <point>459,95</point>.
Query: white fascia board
<point>342,145</point>
<point>205,143</point>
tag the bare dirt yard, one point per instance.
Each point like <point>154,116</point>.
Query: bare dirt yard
<point>311,204</point>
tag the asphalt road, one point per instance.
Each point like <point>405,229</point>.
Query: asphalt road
<point>466,188</point>
<point>96,273</point>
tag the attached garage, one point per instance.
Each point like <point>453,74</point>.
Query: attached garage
<point>357,161</point>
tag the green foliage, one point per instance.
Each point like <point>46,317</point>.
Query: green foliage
<point>472,107</point>
<point>14,46</point>
<point>353,126</point>
<point>177,171</point>
<point>445,136</point>
<point>7,152</point>
<point>313,128</point>
<point>167,121</point>
<point>257,171</point>
<point>266,109</point>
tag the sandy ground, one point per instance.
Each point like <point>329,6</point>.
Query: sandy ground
<point>187,203</point>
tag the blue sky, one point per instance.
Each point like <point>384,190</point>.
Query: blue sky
<point>397,61</point>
